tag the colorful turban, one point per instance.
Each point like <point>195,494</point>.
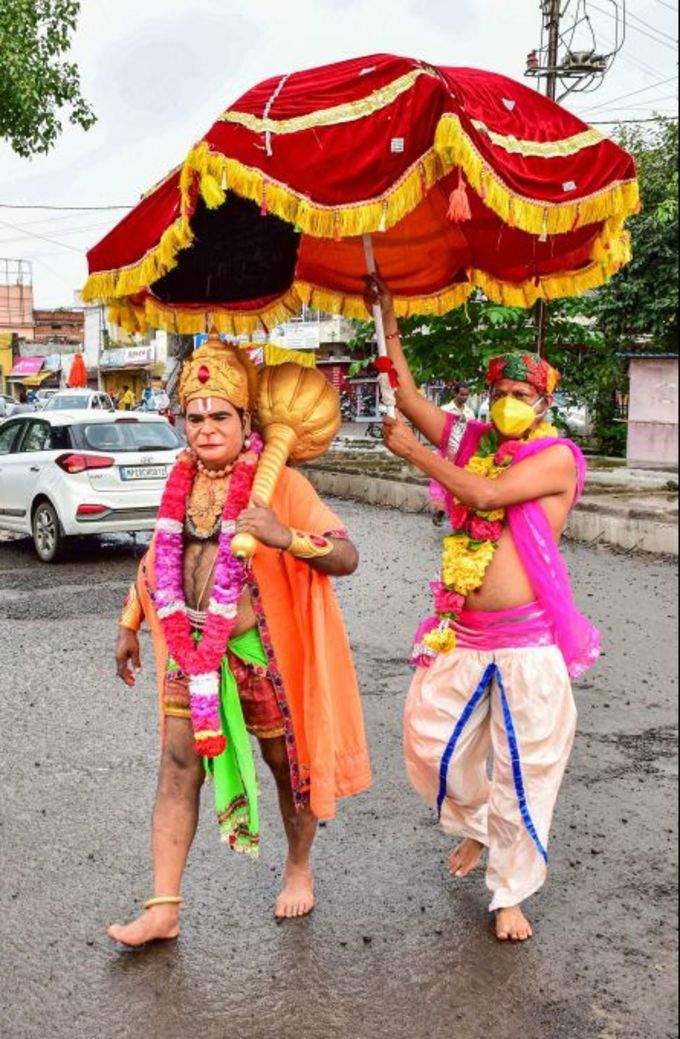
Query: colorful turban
<point>524,368</point>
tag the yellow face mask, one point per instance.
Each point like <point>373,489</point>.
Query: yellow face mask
<point>512,417</point>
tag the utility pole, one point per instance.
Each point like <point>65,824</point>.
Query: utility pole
<point>551,10</point>
<point>577,71</point>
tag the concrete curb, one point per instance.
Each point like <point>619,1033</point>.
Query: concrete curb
<point>645,520</point>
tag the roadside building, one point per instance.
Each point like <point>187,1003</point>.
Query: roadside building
<point>16,298</point>
<point>7,340</point>
<point>60,325</point>
<point>134,364</point>
<point>652,409</point>
<point>16,314</point>
<point>328,335</point>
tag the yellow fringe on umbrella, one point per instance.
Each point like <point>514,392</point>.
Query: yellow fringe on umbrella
<point>214,169</point>
<point>611,251</point>
<point>404,306</point>
<point>135,318</point>
<point>532,215</point>
<point>126,281</point>
<point>214,173</point>
<point>152,313</point>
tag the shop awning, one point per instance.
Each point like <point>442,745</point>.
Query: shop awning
<point>24,366</point>
<point>39,379</point>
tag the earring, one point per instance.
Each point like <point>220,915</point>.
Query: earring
<point>247,443</point>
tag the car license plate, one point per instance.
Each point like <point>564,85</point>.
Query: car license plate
<point>143,472</point>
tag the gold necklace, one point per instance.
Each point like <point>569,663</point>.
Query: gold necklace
<point>206,503</point>
<point>214,474</point>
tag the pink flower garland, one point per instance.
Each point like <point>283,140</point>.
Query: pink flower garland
<point>201,661</point>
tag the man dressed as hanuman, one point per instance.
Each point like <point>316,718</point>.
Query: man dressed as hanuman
<point>241,648</point>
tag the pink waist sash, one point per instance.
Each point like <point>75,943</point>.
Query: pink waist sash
<point>523,627</point>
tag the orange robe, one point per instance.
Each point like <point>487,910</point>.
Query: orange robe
<point>311,664</point>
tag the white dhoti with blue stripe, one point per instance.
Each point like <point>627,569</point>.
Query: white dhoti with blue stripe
<point>514,705</point>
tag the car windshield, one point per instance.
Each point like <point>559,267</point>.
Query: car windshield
<point>124,435</point>
<point>70,403</point>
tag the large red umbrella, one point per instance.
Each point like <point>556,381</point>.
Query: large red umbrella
<point>465,179</point>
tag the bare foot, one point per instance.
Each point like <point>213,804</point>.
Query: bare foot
<point>297,896</point>
<point>512,925</point>
<point>465,857</point>
<point>157,924</point>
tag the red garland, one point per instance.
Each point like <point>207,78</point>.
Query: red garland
<point>385,366</point>
<point>206,656</point>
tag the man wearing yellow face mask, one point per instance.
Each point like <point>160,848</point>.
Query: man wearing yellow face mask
<point>494,660</point>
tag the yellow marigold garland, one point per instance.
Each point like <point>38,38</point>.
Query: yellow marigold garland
<point>465,562</point>
<point>466,559</point>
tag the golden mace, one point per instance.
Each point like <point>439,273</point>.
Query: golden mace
<point>299,414</point>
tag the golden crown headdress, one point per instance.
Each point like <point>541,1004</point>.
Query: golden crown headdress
<point>219,370</point>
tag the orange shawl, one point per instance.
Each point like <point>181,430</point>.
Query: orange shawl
<point>310,659</point>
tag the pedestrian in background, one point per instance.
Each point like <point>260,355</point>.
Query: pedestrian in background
<point>24,403</point>
<point>459,404</point>
<point>163,404</point>
<point>126,400</point>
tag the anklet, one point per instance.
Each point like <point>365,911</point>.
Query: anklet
<point>163,900</point>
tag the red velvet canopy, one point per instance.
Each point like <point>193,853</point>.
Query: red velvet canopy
<point>465,178</point>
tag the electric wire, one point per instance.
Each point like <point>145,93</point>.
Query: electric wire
<point>633,122</point>
<point>669,7</point>
<point>60,234</point>
<point>648,25</point>
<point>643,32</point>
<point>31,205</point>
<point>44,238</point>
<point>633,93</point>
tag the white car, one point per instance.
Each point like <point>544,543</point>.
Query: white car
<point>66,473</point>
<point>77,400</point>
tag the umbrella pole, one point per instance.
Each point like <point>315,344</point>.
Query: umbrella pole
<point>386,391</point>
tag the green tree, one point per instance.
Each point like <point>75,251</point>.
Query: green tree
<point>459,344</point>
<point>642,300</point>
<point>640,305</point>
<point>35,82</point>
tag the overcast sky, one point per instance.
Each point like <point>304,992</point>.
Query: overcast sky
<point>158,72</point>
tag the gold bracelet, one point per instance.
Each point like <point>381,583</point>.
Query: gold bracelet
<point>309,546</point>
<point>132,613</point>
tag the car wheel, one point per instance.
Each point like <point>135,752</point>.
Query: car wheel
<point>47,536</point>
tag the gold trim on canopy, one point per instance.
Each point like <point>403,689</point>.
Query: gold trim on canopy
<point>345,113</point>
<point>541,149</point>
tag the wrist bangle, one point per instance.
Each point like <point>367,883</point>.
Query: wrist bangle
<point>309,546</point>
<point>393,335</point>
<point>132,614</point>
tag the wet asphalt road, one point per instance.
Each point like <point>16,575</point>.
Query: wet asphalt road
<point>395,948</point>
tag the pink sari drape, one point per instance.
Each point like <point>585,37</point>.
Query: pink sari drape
<point>576,637</point>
